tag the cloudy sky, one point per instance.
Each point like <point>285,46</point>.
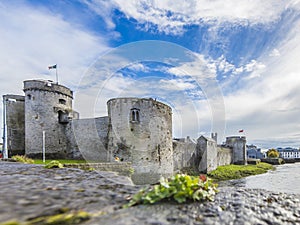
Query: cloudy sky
<point>223,65</point>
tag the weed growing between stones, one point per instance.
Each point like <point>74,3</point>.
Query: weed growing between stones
<point>23,159</point>
<point>180,187</point>
<point>54,164</point>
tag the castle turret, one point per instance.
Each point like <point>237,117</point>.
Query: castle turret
<point>48,107</point>
<point>238,145</point>
<point>140,131</point>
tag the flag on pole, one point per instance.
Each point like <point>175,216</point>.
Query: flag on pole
<point>241,131</point>
<point>52,67</point>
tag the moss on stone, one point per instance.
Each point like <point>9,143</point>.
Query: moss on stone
<point>54,164</point>
<point>66,219</point>
<point>12,222</point>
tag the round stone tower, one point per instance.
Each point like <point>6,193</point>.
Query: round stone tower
<point>48,107</point>
<point>239,152</point>
<point>140,131</point>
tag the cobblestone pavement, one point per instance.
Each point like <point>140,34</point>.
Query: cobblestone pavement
<point>30,191</point>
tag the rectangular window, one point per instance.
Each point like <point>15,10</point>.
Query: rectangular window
<point>62,101</point>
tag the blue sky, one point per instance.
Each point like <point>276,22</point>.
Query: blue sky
<point>222,65</point>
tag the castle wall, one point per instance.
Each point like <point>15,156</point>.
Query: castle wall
<point>140,131</point>
<point>15,122</point>
<point>204,156</point>
<point>48,107</point>
<point>88,139</point>
<point>208,154</point>
<point>225,156</point>
<point>184,155</point>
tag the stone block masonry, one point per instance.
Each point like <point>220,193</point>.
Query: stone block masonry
<point>140,131</point>
<point>48,107</point>
<point>122,168</point>
<point>15,124</point>
<point>88,137</point>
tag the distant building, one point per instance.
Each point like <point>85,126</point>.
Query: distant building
<point>253,152</point>
<point>289,153</point>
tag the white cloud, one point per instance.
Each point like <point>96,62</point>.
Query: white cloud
<point>274,52</point>
<point>268,107</point>
<point>33,38</point>
<point>138,67</point>
<point>252,66</point>
<point>176,84</point>
<point>170,16</point>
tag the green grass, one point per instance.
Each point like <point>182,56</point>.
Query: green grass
<point>230,172</point>
<point>63,161</point>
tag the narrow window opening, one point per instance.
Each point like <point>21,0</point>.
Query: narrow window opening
<point>135,115</point>
<point>29,97</point>
<point>159,156</point>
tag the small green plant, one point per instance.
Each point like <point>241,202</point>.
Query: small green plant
<point>131,171</point>
<point>23,159</point>
<point>180,188</point>
<point>54,164</point>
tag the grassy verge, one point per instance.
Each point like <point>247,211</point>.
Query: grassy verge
<point>63,161</point>
<point>230,172</point>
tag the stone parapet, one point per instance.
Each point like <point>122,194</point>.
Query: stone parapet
<point>44,85</point>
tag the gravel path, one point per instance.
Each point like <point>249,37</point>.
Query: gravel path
<point>30,191</point>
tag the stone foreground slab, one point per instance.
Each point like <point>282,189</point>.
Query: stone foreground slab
<point>29,191</point>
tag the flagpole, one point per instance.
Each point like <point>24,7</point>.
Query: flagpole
<point>56,74</point>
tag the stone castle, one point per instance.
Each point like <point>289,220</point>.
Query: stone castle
<point>136,130</point>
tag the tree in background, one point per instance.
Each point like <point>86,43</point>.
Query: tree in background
<point>272,153</point>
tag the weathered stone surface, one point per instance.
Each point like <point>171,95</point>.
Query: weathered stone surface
<point>48,107</point>
<point>140,132</point>
<point>15,124</point>
<point>29,191</point>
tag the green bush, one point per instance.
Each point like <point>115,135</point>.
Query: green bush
<point>54,164</point>
<point>273,153</point>
<point>23,159</point>
<point>180,188</point>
